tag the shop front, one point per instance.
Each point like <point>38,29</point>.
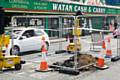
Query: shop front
<point>106,14</point>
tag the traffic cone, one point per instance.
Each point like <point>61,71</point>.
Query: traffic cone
<point>101,62</point>
<point>108,49</point>
<point>43,63</point>
<point>43,66</point>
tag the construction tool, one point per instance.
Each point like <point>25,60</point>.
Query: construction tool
<point>8,62</point>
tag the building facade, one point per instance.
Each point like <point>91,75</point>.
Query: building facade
<point>58,7</point>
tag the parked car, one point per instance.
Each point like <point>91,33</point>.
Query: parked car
<point>27,39</point>
<point>116,32</point>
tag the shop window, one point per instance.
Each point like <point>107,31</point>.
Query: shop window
<point>53,23</point>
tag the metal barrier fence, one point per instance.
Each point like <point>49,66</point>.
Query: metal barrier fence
<point>60,26</point>
<point>63,26</point>
<point>96,37</point>
<point>53,29</point>
<point>118,45</point>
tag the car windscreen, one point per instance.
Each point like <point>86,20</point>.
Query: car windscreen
<point>16,33</point>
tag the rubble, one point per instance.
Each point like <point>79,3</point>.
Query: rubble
<point>82,60</point>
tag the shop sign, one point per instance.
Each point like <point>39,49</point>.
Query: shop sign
<point>54,6</point>
<point>74,8</point>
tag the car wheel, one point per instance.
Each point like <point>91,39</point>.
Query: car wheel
<point>16,50</point>
<point>18,66</point>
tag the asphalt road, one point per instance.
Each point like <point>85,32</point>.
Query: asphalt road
<point>33,60</point>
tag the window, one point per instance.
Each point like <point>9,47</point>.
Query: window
<point>29,33</point>
<point>15,34</point>
<point>39,33</point>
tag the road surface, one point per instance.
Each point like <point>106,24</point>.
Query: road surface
<point>33,60</point>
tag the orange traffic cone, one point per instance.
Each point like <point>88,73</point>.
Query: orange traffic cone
<point>108,49</point>
<point>43,64</point>
<point>101,62</point>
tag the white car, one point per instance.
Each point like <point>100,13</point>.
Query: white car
<point>26,39</point>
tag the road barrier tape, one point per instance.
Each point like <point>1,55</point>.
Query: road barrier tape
<point>95,42</point>
<point>88,29</point>
<point>51,29</point>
